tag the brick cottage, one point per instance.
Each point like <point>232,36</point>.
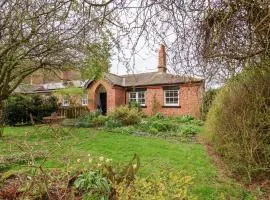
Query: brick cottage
<point>155,91</point>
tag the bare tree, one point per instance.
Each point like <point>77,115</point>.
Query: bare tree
<point>210,38</point>
<point>47,34</point>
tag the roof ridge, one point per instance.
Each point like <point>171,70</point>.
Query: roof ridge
<point>114,74</point>
<point>137,74</point>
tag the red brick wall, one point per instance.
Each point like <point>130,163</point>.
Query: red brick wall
<point>115,95</point>
<point>189,97</point>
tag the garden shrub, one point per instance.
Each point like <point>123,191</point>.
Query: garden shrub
<point>158,116</point>
<point>127,115</point>
<point>163,126</point>
<point>238,123</point>
<point>41,107</point>
<point>160,125</point>
<point>18,108</point>
<point>86,120</point>
<point>207,100</point>
<point>113,123</point>
<point>189,129</point>
<point>185,118</point>
<point>134,104</point>
<point>197,122</point>
<point>93,183</point>
<point>99,121</point>
<point>164,185</point>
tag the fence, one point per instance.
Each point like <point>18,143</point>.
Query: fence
<point>72,111</point>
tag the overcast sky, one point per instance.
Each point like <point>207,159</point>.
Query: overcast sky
<point>146,60</point>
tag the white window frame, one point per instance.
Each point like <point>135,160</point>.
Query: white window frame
<point>137,97</point>
<point>84,100</point>
<point>65,101</point>
<point>171,104</point>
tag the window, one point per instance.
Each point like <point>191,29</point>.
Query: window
<point>138,96</point>
<point>171,97</point>
<point>65,101</point>
<point>85,100</point>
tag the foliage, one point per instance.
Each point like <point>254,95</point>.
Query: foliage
<point>159,125</point>
<point>116,174</point>
<point>100,181</point>
<point>69,91</point>
<point>181,128</point>
<point>185,118</point>
<point>18,108</point>
<point>134,104</point>
<point>158,116</point>
<point>126,115</point>
<point>189,129</point>
<point>99,121</point>
<point>87,119</point>
<point>164,185</point>
<point>92,182</point>
<point>208,98</point>
<point>238,123</point>
<point>97,59</point>
<point>112,123</point>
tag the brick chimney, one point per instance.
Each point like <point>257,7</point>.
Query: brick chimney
<point>162,59</point>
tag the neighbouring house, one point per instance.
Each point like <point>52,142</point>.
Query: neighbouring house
<point>46,84</point>
<point>155,92</point>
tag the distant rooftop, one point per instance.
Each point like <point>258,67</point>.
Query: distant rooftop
<point>47,87</point>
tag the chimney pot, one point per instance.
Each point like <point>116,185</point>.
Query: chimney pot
<point>162,59</point>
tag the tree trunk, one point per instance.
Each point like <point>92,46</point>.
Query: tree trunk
<point>1,118</point>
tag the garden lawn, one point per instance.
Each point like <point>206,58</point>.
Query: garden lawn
<point>65,146</point>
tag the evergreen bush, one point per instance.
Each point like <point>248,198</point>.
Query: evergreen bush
<point>207,101</point>
<point>238,123</point>
<point>19,108</point>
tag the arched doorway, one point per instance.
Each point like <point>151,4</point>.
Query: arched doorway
<point>101,99</point>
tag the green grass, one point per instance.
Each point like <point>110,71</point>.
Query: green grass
<point>65,147</point>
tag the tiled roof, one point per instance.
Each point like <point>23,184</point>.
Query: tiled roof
<point>152,78</point>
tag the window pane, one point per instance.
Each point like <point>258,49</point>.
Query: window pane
<point>171,97</point>
<point>175,100</point>
<point>132,95</point>
<point>139,97</point>
<point>141,101</point>
<point>141,94</point>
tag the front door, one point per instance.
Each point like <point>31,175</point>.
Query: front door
<point>103,103</point>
